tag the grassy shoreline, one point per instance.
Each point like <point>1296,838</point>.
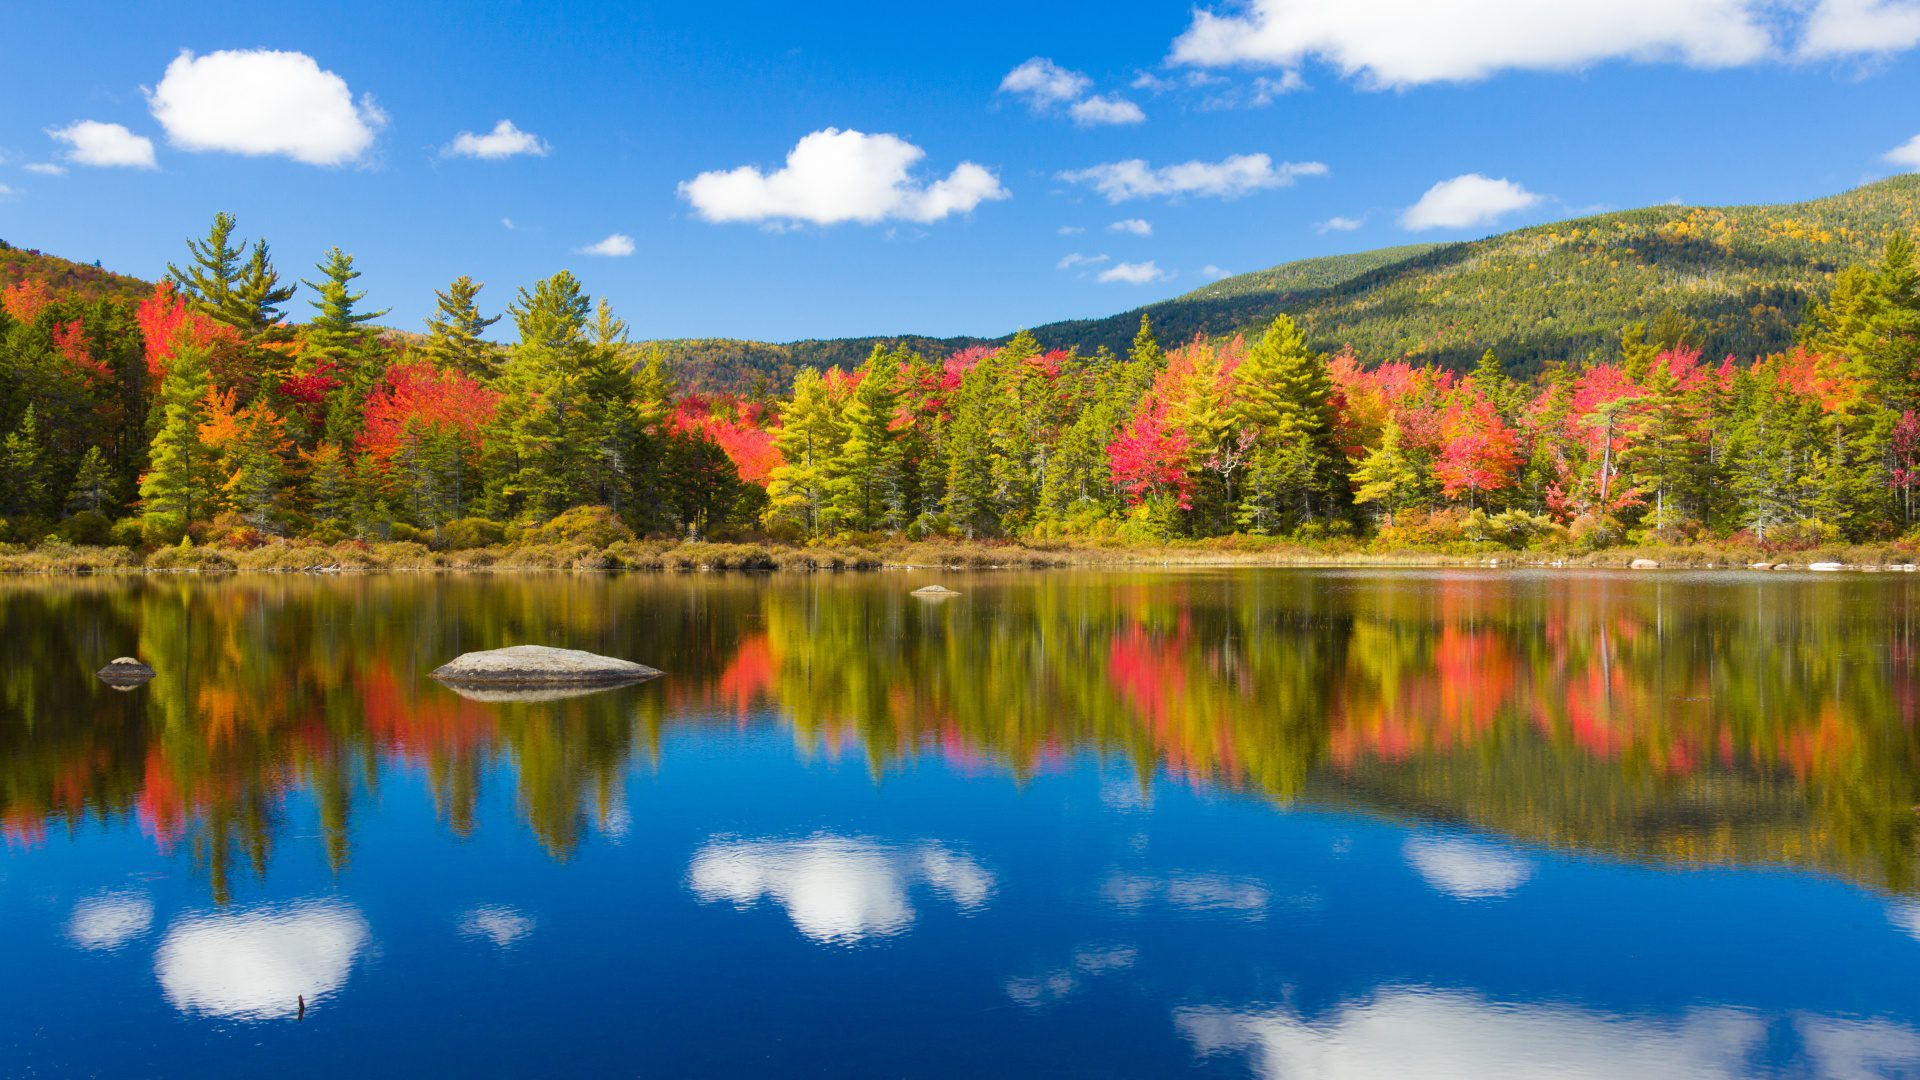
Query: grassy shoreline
<point>354,556</point>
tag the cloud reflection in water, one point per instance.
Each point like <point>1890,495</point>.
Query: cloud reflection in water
<point>1467,869</point>
<point>837,890</point>
<point>256,964</point>
<point>109,920</point>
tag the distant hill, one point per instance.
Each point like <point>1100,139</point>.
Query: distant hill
<point>1744,274</point>
<point>90,281</point>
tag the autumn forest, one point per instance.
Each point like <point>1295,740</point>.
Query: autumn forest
<point>200,413</point>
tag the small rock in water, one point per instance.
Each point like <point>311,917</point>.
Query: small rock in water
<point>124,673</point>
<point>1643,564</point>
<point>1760,566</point>
<point>1826,567</point>
<point>935,590</point>
<point>540,666</point>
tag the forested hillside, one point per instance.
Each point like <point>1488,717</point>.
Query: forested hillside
<point>1741,276</point>
<point>81,280</point>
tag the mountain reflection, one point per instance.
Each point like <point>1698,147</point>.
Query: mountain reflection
<point>258,964</point>
<point>1737,719</point>
<point>1447,1034</point>
<point>837,891</point>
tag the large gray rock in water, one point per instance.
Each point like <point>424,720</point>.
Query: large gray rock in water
<point>1644,564</point>
<point>539,666</point>
<point>934,591</point>
<point>124,671</point>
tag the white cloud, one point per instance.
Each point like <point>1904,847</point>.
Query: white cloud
<point>46,168</point>
<point>1465,201</point>
<point>616,245</point>
<point>504,141</point>
<point>106,145</point>
<point>1044,84</point>
<point>1906,155</point>
<point>256,965</point>
<point>1839,28</point>
<point>507,223</point>
<point>1466,869</point>
<point>1069,230</point>
<point>1339,224</point>
<point>1214,273</point>
<point>834,176</point>
<point>1068,262</point>
<point>504,926</point>
<point>1397,43</point>
<point>1136,226</point>
<point>1229,178</point>
<point>262,102</point>
<point>1105,109</point>
<point>1151,83</point>
<point>1140,273</point>
<point>835,890</point>
<point>108,921</point>
<point>6,192</point>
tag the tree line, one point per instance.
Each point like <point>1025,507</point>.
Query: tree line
<point>202,412</point>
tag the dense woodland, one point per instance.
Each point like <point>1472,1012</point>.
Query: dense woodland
<point>201,413</point>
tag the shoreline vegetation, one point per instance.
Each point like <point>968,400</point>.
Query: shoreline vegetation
<point>201,429</point>
<point>887,554</point>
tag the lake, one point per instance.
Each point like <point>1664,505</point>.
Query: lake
<point>1243,822</point>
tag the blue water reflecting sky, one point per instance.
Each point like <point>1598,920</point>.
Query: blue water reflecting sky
<point>738,908</point>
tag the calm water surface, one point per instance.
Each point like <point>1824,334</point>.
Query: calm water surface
<point>1268,823</point>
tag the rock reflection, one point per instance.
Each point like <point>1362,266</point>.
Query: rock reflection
<point>110,920</point>
<point>1466,869</point>
<point>258,964</point>
<point>837,890</point>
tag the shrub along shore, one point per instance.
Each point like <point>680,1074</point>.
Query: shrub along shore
<point>664,555</point>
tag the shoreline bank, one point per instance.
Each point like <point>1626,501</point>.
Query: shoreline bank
<point>358,557</point>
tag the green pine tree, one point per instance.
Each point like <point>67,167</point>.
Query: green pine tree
<point>454,339</point>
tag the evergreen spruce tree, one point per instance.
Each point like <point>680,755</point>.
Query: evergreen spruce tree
<point>182,481</point>
<point>863,477</point>
<point>967,438</point>
<point>1281,392</point>
<point>23,468</point>
<point>92,487</point>
<point>453,333</point>
<point>551,427</point>
<point>339,330</point>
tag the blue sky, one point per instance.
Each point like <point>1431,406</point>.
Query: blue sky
<point>943,156</point>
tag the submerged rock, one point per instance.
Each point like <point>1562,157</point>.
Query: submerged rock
<point>124,672</point>
<point>538,666</point>
<point>935,591</point>
<point>1643,564</point>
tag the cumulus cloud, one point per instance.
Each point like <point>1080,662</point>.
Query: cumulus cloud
<point>503,926</point>
<point>261,102</point>
<point>1044,84</point>
<point>1104,109</point>
<point>91,142</point>
<point>616,245</point>
<point>1132,273</point>
<point>1466,869</point>
<point>1068,262</point>
<point>1228,178</point>
<point>106,922</point>
<point>1136,226</point>
<point>834,176</point>
<point>1839,28</point>
<point>1466,201</point>
<point>45,168</point>
<point>504,141</point>
<point>258,964</point>
<point>1398,43</point>
<point>1906,155</point>
<point>836,890</point>
<point>1339,224</point>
